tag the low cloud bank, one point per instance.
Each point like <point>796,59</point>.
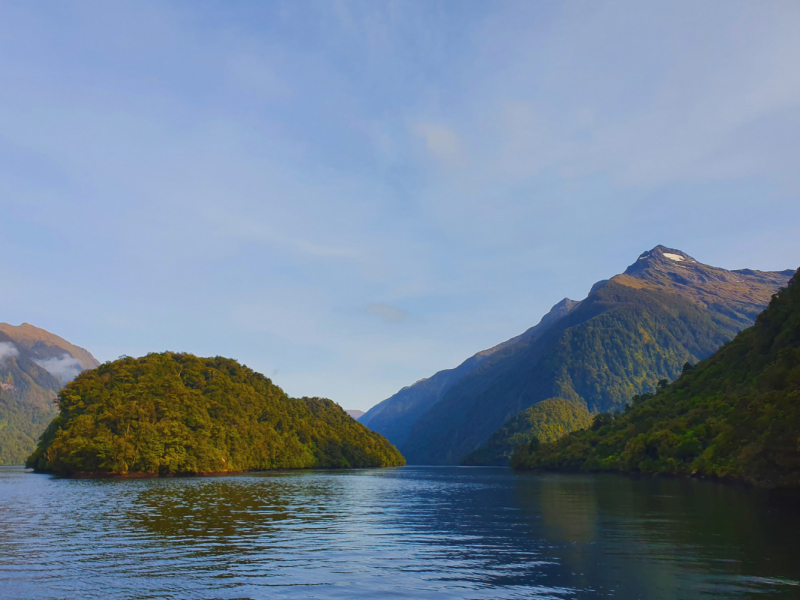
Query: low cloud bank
<point>8,350</point>
<point>65,367</point>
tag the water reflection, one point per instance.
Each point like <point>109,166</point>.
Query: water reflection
<point>401,533</point>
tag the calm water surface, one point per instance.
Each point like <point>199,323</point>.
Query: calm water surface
<point>413,532</point>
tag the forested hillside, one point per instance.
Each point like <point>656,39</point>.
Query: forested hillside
<point>34,364</point>
<point>167,414</point>
<point>735,415</point>
<point>630,332</point>
<point>546,421</point>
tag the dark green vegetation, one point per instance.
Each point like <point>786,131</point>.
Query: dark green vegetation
<point>33,366</point>
<point>168,414</point>
<point>629,333</point>
<point>735,415</point>
<point>546,421</point>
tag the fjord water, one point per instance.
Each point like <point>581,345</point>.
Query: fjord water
<point>410,532</point>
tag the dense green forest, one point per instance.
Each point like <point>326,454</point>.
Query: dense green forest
<point>21,423</point>
<point>170,413</point>
<point>27,389</point>
<point>735,415</point>
<point>27,392</point>
<point>629,333</point>
<point>547,421</point>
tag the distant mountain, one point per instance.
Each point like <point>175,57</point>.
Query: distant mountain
<point>169,413</point>
<point>735,415</point>
<point>630,332</point>
<point>34,365</point>
<point>395,416</point>
<point>547,421</point>
<point>356,414</point>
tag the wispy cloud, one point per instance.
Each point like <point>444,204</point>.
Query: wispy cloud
<point>65,367</point>
<point>236,227</point>
<point>258,77</point>
<point>247,184</point>
<point>8,350</point>
<point>389,314</point>
<point>441,141</point>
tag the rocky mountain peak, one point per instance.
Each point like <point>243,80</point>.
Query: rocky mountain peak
<point>662,258</point>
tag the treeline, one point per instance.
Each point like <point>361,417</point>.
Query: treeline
<point>735,415</point>
<point>168,414</point>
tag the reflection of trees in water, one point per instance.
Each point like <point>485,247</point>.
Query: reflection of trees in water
<point>230,512</point>
<point>568,508</point>
<point>660,537</point>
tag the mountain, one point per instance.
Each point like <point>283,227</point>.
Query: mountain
<point>34,364</point>
<point>395,416</point>
<point>356,414</point>
<point>168,414</point>
<point>56,354</point>
<point>735,415</point>
<point>630,332</point>
<point>547,421</point>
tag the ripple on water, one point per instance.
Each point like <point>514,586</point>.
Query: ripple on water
<point>394,533</point>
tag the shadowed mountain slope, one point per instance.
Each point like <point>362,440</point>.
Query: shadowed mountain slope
<point>395,416</point>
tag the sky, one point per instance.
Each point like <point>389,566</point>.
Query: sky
<point>351,196</point>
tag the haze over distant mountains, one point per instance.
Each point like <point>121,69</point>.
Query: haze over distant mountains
<point>641,326</point>
<point>34,366</point>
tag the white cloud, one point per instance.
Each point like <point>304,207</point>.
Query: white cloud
<point>8,350</point>
<point>389,314</point>
<point>65,367</point>
<point>234,226</point>
<point>441,141</point>
<point>258,77</point>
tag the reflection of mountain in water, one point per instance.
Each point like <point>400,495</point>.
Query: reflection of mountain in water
<point>661,538</point>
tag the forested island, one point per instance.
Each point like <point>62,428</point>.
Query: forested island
<point>735,415</point>
<point>178,414</point>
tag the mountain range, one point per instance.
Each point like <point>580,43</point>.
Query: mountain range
<point>630,332</point>
<point>34,366</point>
<point>735,415</point>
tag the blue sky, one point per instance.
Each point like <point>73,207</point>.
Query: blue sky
<point>350,196</point>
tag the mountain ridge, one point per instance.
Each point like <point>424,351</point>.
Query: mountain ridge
<point>387,417</point>
<point>735,415</point>
<point>630,331</point>
<point>34,365</point>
